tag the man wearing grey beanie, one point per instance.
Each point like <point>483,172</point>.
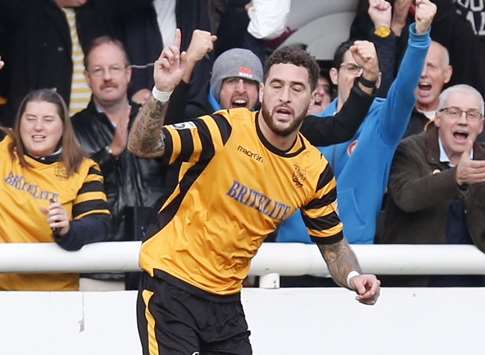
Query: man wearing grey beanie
<point>235,79</point>
<point>235,82</point>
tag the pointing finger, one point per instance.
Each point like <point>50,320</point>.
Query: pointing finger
<point>178,38</point>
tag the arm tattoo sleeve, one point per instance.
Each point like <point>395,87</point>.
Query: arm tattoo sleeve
<point>146,138</point>
<point>340,260</point>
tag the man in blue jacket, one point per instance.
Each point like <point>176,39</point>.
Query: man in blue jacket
<point>361,165</point>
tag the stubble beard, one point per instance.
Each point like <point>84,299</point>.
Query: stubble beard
<point>294,126</point>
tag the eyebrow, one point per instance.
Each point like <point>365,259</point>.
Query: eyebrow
<point>285,81</point>
<point>35,115</point>
<point>465,109</point>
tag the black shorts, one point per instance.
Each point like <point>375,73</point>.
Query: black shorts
<point>175,318</point>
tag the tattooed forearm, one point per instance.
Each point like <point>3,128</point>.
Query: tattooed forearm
<point>340,260</point>
<point>145,138</point>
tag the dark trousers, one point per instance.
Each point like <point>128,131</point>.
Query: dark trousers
<point>173,320</point>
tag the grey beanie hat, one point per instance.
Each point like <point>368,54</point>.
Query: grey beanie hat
<point>235,62</point>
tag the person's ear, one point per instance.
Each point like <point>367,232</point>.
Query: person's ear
<point>128,72</point>
<point>448,73</point>
<point>333,76</point>
<point>86,76</point>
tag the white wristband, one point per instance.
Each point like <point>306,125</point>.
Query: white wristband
<point>349,276</point>
<point>162,96</point>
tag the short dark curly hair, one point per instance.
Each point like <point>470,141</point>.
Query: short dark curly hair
<point>338,57</point>
<point>297,56</point>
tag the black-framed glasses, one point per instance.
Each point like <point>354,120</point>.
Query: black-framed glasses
<point>454,113</point>
<point>352,68</point>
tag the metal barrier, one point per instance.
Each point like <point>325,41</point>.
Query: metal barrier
<point>285,321</point>
<point>289,259</point>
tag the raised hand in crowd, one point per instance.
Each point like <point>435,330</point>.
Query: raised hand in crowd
<point>469,171</point>
<point>425,12</point>
<point>201,43</point>
<point>1,63</point>
<point>120,138</point>
<point>380,13</point>
<point>141,96</point>
<point>365,56</point>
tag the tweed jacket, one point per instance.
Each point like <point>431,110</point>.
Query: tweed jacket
<point>420,190</point>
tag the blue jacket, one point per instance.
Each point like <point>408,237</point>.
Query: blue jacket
<point>362,176</point>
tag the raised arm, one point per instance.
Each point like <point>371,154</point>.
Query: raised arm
<point>385,42</point>
<point>342,127</point>
<point>146,138</point>
<point>345,270</point>
<point>397,108</point>
<point>201,43</point>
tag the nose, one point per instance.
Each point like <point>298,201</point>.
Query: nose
<point>462,118</point>
<point>106,74</point>
<point>240,87</point>
<point>38,126</point>
<point>424,71</point>
<point>285,94</point>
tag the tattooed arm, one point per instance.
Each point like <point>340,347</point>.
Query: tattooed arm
<point>341,261</point>
<point>146,138</point>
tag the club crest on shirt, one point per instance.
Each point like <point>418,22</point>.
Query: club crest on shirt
<point>61,172</point>
<point>298,176</point>
<point>351,147</point>
<point>183,125</point>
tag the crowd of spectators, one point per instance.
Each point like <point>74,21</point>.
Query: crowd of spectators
<point>398,117</point>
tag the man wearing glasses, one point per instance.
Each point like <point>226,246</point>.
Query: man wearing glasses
<point>437,185</point>
<point>361,165</point>
<point>132,184</point>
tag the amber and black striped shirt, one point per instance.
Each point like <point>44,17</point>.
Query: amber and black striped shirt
<point>230,188</point>
<point>26,192</point>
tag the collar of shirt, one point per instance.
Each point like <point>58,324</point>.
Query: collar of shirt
<point>428,114</point>
<point>49,159</point>
<point>444,157</point>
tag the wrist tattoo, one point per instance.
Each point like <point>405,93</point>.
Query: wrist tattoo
<point>340,260</point>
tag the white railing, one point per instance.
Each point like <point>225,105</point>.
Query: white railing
<point>280,258</point>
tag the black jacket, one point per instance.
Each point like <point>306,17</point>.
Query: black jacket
<point>137,23</point>
<point>37,46</point>
<point>340,128</point>
<point>133,185</point>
